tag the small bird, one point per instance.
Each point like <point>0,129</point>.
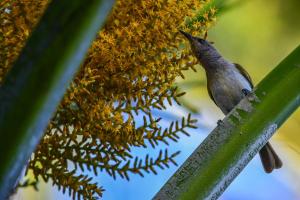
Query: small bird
<point>227,84</point>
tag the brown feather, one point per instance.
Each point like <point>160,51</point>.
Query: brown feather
<point>244,73</point>
<point>269,158</point>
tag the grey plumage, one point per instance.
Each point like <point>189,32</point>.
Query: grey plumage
<point>226,82</point>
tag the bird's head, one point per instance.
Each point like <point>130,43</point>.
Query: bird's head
<point>202,48</point>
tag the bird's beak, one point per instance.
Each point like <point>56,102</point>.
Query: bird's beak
<point>187,35</point>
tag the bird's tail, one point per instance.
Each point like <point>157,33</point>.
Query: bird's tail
<point>269,158</point>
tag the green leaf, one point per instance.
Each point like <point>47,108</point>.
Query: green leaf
<point>37,81</point>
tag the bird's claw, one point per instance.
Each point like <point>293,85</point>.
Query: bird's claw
<point>220,122</point>
<point>246,91</point>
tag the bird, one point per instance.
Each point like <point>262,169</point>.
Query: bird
<point>227,84</point>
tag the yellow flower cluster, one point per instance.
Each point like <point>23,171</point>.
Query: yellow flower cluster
<point>129,71</point>
<point>17,19</point>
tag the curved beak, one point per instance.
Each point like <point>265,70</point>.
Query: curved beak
<point>187,35</point>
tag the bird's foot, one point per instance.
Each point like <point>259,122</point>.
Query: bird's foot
<point>220,122</point>
<point>246,91</point>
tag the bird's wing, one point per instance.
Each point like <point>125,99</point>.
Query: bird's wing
<point>244,73</point>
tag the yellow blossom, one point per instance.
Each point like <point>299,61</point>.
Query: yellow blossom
<point>128,72</point>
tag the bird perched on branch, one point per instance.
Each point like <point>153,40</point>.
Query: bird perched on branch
<point>227,85</point>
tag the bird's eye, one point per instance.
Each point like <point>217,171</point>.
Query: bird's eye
<point>201,41</point>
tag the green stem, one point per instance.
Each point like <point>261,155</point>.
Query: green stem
<point>36,83</point>
<point>230,146</point>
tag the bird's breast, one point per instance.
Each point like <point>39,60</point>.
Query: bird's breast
<point>226,89</point>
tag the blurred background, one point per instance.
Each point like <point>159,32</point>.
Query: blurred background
<point>258,35</point>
